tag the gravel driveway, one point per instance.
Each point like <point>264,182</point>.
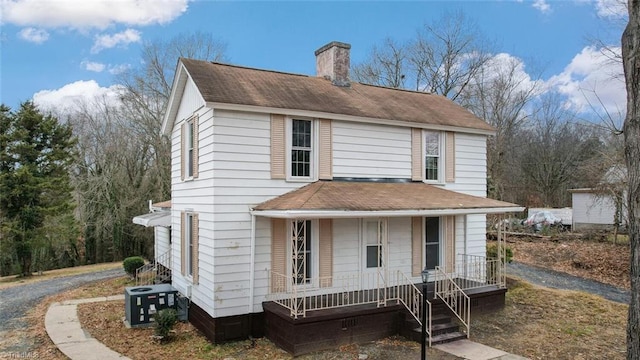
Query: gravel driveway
<point>17,300</point>
<point>558,280</point>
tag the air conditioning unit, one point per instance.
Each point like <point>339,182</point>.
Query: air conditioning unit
<point>142,302</point>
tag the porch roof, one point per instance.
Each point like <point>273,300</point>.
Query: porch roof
<point>159,218</point>
<point>331,199</point>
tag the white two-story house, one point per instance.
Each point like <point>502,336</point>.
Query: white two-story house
<point>305,208</point>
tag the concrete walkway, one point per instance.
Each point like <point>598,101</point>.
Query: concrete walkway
<point>64,329</point>
<point>470,350</point>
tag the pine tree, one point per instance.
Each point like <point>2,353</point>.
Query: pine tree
<point>35,154</point>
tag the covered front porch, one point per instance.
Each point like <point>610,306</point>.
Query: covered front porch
<point>347,259</point>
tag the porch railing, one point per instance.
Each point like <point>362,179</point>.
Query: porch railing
<point>344,290</point>
<point>453,296</point>
<point>472,271</point>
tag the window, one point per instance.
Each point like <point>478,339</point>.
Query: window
<point>301,148</point>
<point>189,148</point>
<point>432,242</point>
<point>374,233</point>
<point>301,231</point>
<point>432,155</point>
<point>189,236</point>
<point>190,243</point>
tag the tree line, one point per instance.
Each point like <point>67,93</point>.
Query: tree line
<point>71,180</point>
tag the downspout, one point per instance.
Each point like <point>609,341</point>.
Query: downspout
<point>252,264</point>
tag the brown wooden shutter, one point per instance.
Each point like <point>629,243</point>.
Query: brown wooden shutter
<point>183,144</point>
<point>450,243</point>
<point>196,145</point>
<point>278,149</point>
<point>325,147</point>
<point>195,233</point>
<point>416,246</point>
<point>278,254</point>
<point>450,157</point>
<point>417,172</point>
<point>326,252</point>
<point>183,245</point>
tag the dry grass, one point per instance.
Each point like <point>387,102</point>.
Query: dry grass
<point>589,258</point>
<point>541,323</point>
<point>104,321</point>
<point>10,281</point>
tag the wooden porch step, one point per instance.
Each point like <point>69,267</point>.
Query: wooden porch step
<point>447,337</point>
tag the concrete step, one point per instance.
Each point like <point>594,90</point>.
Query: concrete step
<point>447,338</point>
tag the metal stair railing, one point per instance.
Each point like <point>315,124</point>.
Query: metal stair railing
<point>454,297</point>
<point>411,297</point>
<point>159,268</point>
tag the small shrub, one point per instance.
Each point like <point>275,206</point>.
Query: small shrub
<point>165,319</point>
<point>132,263</point>
<point>492,252</point>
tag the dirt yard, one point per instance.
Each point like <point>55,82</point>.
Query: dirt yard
<point>537,322</point>
<point>592,256</point>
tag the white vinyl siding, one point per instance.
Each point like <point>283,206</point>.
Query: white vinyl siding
<point>470,165</point>
<point>161,235</point>
<point>242,179</point>
<point>369,150</point>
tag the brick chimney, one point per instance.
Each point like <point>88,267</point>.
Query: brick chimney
<point>332,62</point>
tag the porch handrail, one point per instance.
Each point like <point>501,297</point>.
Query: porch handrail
<point>147,273</point>
<point>475,271</point>
<point>453,296</point>
<point>344,290</point>
<point>411,297</point>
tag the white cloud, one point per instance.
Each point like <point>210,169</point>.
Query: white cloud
<point>93,66</point>
<point>69,96</point>
<point>123,38</point>
<point>119,69</point>
<point>612,8</point>
<point>85,14</point>
<point>541,5</point>
<point>34,35</point>
<point>592,82</point>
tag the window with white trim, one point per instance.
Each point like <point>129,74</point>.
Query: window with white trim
<point>432,242</point>
<point>189,148</point>
<point>433,163</point>
<point>301,160</point>
<point>189,243</point>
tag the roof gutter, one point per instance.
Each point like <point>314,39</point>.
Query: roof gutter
<point>332,214</point>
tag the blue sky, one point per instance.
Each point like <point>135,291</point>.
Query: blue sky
<point>58,50</point>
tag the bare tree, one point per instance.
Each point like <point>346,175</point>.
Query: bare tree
<point>447,55</point>
<point>125,160</point>
<point>386,66</point>
<point>499,93</point>
<point>555,148</point>
<point>443,58</point>
<point>631,128</point>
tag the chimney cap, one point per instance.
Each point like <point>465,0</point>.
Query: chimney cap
<point>332,44</point>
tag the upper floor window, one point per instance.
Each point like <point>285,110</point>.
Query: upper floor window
<point>189,156</point>
<point>189,148</point>
<point>432,156</point>
<point>301,161</point>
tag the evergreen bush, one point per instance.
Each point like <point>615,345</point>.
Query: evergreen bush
<point>132,263</point>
